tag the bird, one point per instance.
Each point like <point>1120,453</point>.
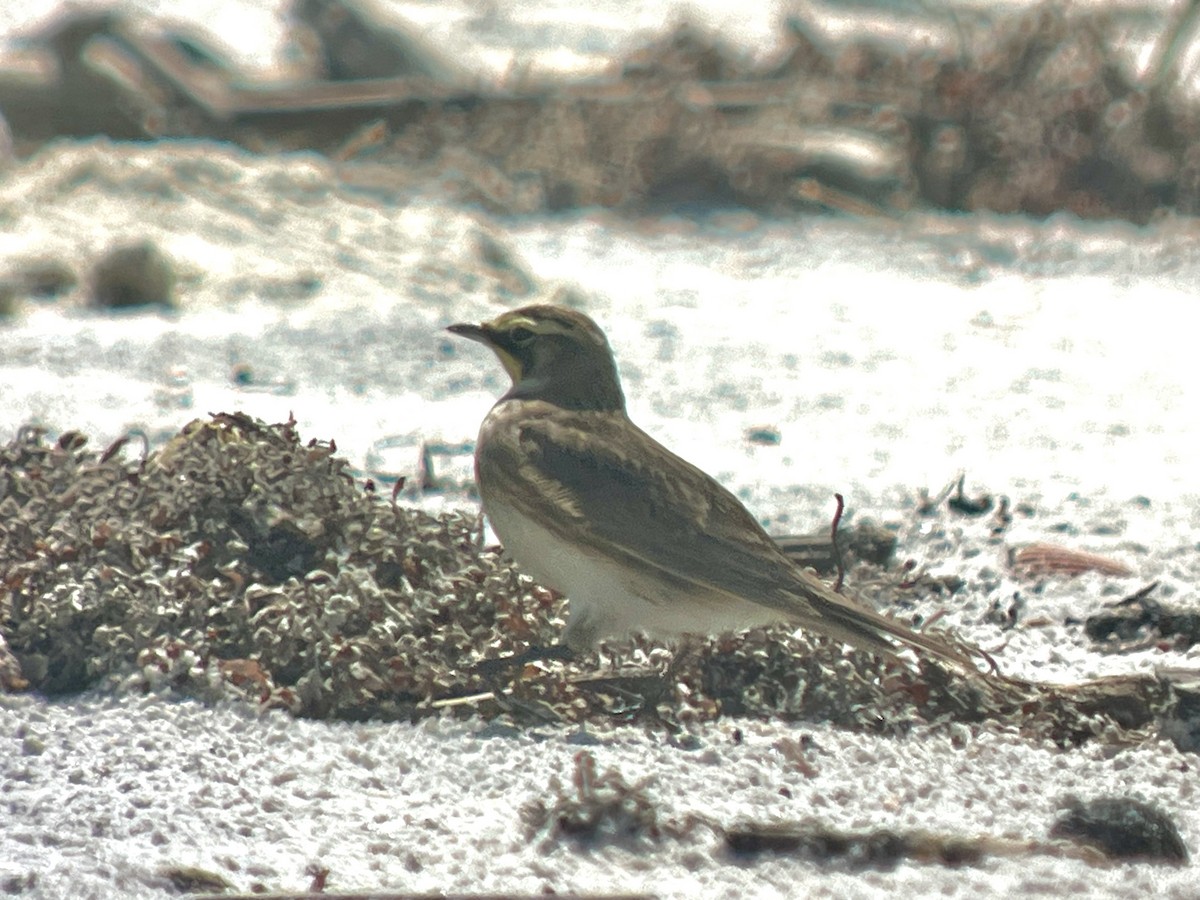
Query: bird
<point>637,539</point>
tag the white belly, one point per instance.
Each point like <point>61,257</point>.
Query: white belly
<point>605,598</point>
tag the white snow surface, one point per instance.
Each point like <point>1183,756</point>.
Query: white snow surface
<point>100,795</point>
<point>1053,362</point>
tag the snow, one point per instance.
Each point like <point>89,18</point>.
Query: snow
<point>1052,362</point>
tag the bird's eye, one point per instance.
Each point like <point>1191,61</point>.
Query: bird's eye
<point>521,335</point>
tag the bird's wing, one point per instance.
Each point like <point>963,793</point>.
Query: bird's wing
<point>629,498</point>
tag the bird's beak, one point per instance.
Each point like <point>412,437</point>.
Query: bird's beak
<point>484,335</point>
<point>471,332</point>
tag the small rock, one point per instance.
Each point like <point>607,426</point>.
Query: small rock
<point>766,435</point>
<point>133,274</point>
<point>1122,828</point>
<point>44,278</point>
<point>32,745</point>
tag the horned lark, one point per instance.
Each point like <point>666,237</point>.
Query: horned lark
<point>635,537</point>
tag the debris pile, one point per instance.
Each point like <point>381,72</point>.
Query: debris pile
<point>239,558</point>
<point>1035,111</point>
<point>238,554</point>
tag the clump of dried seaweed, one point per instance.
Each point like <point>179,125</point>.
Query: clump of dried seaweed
<point>239,551</point>
<point>239,556</point>
<point>598,807</point>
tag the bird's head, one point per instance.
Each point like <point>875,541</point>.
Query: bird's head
<point>554,354</point>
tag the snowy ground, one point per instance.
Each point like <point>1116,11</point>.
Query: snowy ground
<point>100,795</point>
<point>1052,362</point>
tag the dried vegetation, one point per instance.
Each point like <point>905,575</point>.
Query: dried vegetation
<point>238,553</point>
<point>1037,111</point>
<point>241,558</point>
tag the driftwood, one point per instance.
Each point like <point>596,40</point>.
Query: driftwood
<point>862,125</point>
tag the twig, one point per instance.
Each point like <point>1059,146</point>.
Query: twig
<point>837,551</point>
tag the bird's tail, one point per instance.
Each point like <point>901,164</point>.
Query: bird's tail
<point>854,623</point>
